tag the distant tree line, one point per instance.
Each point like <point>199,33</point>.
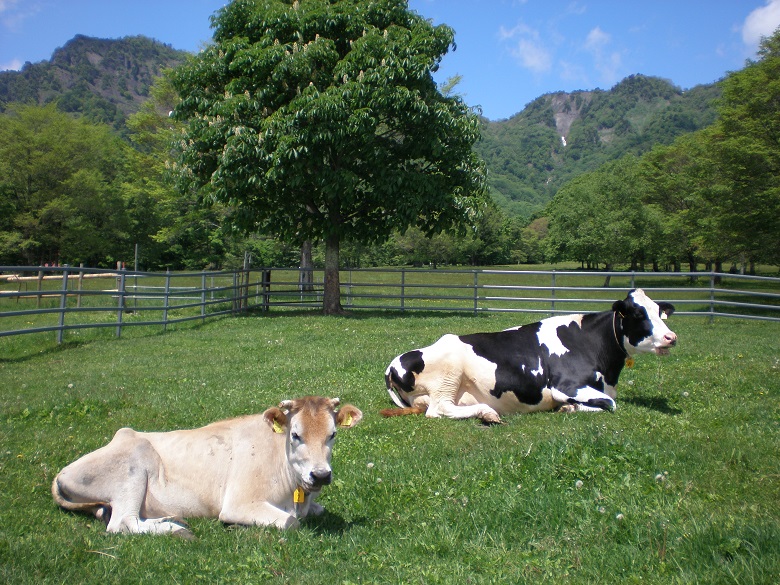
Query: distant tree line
<point>74,191</point>
<point>711,196</point>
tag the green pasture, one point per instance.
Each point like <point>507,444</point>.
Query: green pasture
<point>681,484</point>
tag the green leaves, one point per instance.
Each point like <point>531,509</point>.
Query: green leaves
<point>320,120</point>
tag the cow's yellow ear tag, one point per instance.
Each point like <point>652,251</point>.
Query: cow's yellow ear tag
<point>348,421</point>
<point>629,362</point>
<point>277,427</point>
<point>299,495</point>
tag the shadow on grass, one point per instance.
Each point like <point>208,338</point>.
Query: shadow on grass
<point>653,403</point>
<point>331,523</point>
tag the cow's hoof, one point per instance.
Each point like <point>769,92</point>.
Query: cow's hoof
<point>568,408</point>
<point>491,418</point>
<point>104,513</point>
<point>184,533</point>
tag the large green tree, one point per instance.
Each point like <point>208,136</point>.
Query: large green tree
<point>320,119</point>
<point>748,146</point>
<point>682,180</point>
<point>599,217</point>
<point>60,194</point>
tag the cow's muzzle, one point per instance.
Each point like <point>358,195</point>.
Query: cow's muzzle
<point>670,340</point>
<point>320,477</point>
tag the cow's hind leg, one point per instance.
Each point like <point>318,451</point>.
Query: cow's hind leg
<point>112,482</point>
<point>139,464</point>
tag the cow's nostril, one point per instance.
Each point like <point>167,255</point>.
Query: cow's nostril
<point>321,476</point>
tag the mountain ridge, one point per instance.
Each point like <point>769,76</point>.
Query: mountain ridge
<point>529,155</point>
<point>105,80</point>
<point>560,135</point>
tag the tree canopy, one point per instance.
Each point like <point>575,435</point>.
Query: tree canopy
<point>60,193</point>
<point>321,120</point>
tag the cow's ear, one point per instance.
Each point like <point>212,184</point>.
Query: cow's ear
<point>276,419</point>
<point>666,309</point>
<point>348,416</point>
<point>619,307</point>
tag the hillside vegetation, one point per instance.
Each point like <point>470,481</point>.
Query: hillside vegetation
<point>103,79</point>
<point>696,169</point>
<point>561,135</point>
<point>529,156</point>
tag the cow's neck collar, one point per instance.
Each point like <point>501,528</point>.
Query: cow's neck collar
<point>615,332</point>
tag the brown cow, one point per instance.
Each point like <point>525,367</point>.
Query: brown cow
<point>261,469</point>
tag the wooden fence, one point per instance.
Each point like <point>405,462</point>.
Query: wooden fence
<point>59,299</point>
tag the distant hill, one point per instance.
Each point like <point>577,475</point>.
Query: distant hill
<point>103,79</point>
<point>561,135</point>
<point>529,156</point>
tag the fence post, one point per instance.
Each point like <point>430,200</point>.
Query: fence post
<point>266,287</point>
<point>167,296</point>
<point>552,295</point>
<point>63,304</point>
<point>40,292</point>
<point>476,292</point>
<point>712,294</point>
<point>120,301</point>
<point>203,296</point>
<point>235,292</point>
<point>403,289</point>
<point>81,280</point>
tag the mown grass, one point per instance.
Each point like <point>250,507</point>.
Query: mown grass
<point>680,485</point>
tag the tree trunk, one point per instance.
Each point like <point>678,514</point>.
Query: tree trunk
<point>331,301</point>
<point>306,276</point>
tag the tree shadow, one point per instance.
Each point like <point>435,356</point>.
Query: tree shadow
<point>653,403</point>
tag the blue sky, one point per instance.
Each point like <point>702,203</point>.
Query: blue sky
<point>508,53</point>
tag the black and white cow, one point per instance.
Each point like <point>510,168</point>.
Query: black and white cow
<point>569,363</point>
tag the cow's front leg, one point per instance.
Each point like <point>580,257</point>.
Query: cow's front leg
<point>258,514</point>
<point>132,524</point>
<point>586,399</point>
<point>449,409</point>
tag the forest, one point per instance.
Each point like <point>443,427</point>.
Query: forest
<point>647,176</point>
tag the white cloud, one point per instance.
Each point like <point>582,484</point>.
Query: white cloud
<point>7,5</point>
<point>14,65</point>
<point>518,30</point>
<point>527,50</point>
<point>762,22</point>
<point>606,63</point>
<point>532,55</point>
<point>597,39</point>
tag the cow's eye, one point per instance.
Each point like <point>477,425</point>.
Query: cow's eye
<point>295,437</point>
<point>333,436</point>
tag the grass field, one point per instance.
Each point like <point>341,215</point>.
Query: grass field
<point>681,484</point>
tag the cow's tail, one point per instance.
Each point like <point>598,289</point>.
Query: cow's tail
<point>393,381</point>
<point>100,510</point>
<point>388,412</point>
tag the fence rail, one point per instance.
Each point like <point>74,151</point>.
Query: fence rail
<point>58,299</point>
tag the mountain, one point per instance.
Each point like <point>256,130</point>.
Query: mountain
<point>561,135</point>
<point>529,156</point>
<point>103,79</point>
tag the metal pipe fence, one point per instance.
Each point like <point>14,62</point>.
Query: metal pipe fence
<point>59,299</point>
